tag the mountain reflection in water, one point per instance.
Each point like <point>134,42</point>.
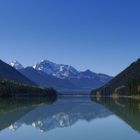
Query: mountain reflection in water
<point>99,118</point>
<point>65,112</point>
<point>125,108</point>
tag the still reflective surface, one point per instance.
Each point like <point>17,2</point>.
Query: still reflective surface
<point>70,118</point>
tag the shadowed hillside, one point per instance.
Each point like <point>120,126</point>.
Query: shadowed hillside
<point>13,83</point>
<point>9,73</point>
<point>127,83</point>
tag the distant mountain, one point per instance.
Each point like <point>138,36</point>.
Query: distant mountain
<point>84,80</point>
<point>60,76</point>
<point>89,79</point>
<point>15,64</point>
<point>9,73</point>
<point>58,70</point>
<point>126,83</point>
<point>46,80</point>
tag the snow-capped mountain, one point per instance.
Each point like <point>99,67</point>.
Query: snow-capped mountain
<point>16,65</point>
<point>60,76</point>
<point>62,71</point>
<point>58,70</point>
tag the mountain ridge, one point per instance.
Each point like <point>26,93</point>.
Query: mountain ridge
<point>126,83</point>
<point>10,73</point>
<point>63,76</point>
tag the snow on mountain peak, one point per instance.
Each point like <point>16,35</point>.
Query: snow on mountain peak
<point>58,70</point>
<point>62,71</point>
<point>15,64</point>
<point>46,66</point>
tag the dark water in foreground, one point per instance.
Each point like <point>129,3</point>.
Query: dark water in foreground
<point>70,118</point>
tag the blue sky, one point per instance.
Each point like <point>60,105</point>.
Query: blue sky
<point>101,35</point>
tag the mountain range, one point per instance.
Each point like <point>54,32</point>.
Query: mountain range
<point>60,76</point>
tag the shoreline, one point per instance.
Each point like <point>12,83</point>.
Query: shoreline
<point>117,97</point>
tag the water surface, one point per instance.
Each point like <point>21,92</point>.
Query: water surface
<point>70,118</point>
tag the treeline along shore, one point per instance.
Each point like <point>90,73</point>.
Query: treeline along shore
<point>14,89</point>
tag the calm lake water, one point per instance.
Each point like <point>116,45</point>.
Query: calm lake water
<point>70,118</point>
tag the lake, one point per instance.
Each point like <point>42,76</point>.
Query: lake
<point>70,118</point>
